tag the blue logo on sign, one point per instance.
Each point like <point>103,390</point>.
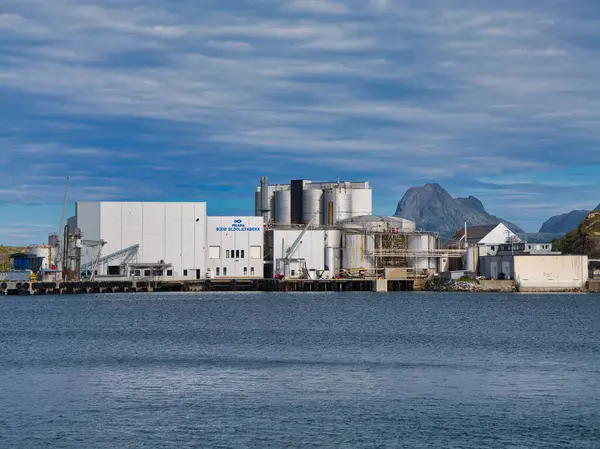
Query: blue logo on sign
<point>238,221</point>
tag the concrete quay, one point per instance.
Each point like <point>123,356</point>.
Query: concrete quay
<point>208,285</point>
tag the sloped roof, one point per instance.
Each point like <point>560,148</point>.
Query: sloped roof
<point>476,233</point>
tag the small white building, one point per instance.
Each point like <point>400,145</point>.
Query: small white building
<point>534,267</point>
<point>483,240</point>
<point>235,247</point>
<point>550,272</point>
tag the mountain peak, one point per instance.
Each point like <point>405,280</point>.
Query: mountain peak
<point>432,208</point>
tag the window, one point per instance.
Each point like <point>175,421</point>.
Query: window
<point>224,271</point>
<point>245,271</point>
<point>147,273</point>
<point>185,272</point>
<point>114,270</point>
<point>493,248</point>
<point>137,273</point>
<point>237,253</point>
<point>169,272</point>
<point>293,272</point>
<point>227,254</point>
<point>251,271</point>
<point>157,272</point>
<point>218,271</point>
<point>214,252</point>
<point>242,253</point>
<point>255,252</point>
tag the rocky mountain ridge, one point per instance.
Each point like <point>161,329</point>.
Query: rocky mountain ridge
<point>433,209</point>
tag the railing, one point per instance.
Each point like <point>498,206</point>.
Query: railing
<point>434,253</point>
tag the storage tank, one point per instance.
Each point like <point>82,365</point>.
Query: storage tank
<point>283,207</point>
<point>420,244</point>
<point>333,251</point>
<point>337,205</point>
<point>43,251</point>
<point>362,202</point>
<point>357,251</point>
<point>312,200</point>
<point>469,259</point>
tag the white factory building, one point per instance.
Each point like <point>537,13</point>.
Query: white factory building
<point>169,240</point>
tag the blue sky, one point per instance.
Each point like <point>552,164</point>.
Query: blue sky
<point>195,99</point>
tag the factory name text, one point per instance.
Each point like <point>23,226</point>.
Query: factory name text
<point>237,226</point>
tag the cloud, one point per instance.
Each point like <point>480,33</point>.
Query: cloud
<point>157,99</point>
<point>317,6</point>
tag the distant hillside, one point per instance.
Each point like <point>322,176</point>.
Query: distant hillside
<point>540,237</point>
<point>583,240</point>
<point>561,224</point>
<point>433,209</point>
<point>6,251</point>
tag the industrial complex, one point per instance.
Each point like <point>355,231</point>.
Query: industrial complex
<point>300,232</point>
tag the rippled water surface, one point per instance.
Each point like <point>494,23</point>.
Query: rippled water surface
<point>300,370</point>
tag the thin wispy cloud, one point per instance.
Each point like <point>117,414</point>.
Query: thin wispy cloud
<point>163,97</point>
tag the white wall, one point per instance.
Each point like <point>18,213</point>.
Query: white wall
<point>173,232</point>
<point>237,247</point>
<point>551,272</point>
<point>312,248</point>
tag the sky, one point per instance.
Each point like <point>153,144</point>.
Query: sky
<point>193,100</point>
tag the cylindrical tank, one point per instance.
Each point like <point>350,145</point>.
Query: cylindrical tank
<point>344,204</point>
<point>312,200</point>
<point>444,264</point>
<point>362,202</point>
<point>357,250</point>
<point>420,244</point>
<point>283,205</point>
<point>337,205</point>
<point>333,252</point>
<point>43,251</point>
<point>469,262</point>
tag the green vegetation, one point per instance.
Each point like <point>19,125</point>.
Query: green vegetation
<point>468,279</point>
<point>5,252</point>
<point>583,240</point>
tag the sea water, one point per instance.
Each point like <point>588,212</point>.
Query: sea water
<point>289,370</point>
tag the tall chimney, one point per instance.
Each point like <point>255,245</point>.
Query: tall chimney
<point>264,195</point>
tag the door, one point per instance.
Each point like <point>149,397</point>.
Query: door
<point>494,270</point>
<point>506,270</point>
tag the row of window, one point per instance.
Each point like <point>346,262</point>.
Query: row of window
<point>255,252</point>
<point>234,254</point>
<point>148,273</point>
<point>218,271</point>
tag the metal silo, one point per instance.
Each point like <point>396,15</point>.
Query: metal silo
<point>362,202</point>
<point>357,251</point>
<point>333,251</point>
<point>312,200</point>
<point>419,243</point>
<point>283,207</point>
<point>337,205</point>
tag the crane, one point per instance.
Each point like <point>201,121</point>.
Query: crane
<point>58,257</point>
<point>294,247</point>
